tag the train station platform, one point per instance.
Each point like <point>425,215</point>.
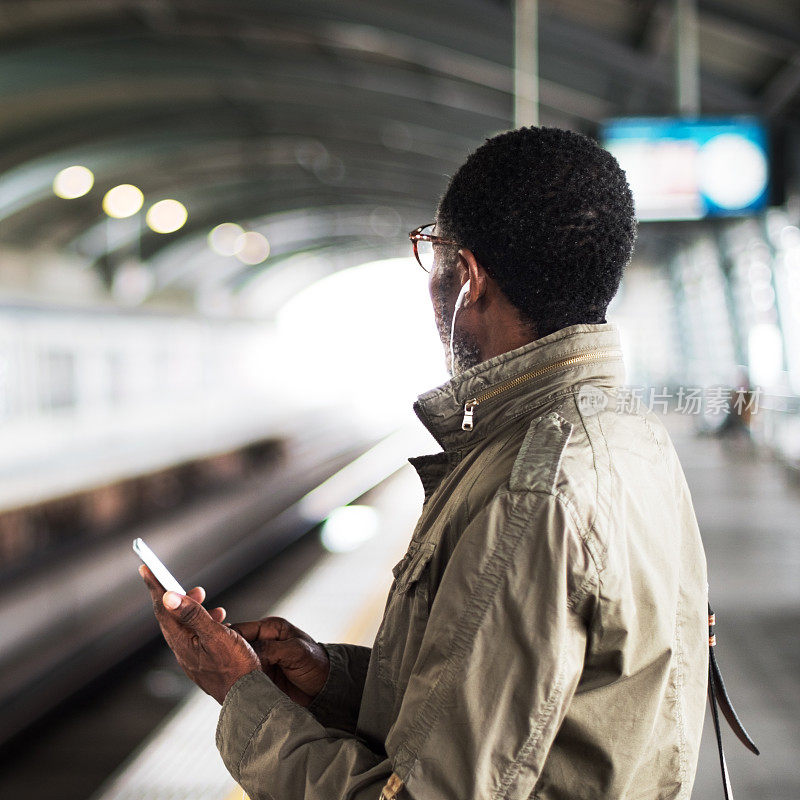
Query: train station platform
<point>748,508</point>
<point>342,599</point>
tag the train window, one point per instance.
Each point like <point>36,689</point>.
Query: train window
<point>56,380</point>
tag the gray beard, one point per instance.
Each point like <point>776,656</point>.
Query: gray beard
<point>467,354</point>
<point>465,347</point>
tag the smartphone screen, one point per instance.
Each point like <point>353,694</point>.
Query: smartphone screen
<point>163,575</point>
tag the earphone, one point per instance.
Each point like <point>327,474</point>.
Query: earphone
<point>462,296</point>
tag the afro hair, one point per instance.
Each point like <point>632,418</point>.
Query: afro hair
<point>550,216</point>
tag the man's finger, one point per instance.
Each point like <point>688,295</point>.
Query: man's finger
<point>218,614</point>
<point>152,583</point>
<point>198,593</point>
<point>148,576</point>
<point>287,653</point>
<point>247,630</point>
<point>156,592</point>
<point>188,612</point>
<point>267,628</point>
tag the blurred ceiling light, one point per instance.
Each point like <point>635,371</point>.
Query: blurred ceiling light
<point>790,236</point>
<point>252,247</point>
<point>311,154</point>
<point>73,182</point>
<point>123,201</point>
<point>385,222</point>
<point>332,171</point>
<point>167,216</point>
<point>397,136</point>
<point>765,354</point>
<point>132,283</point>
<point>224,239</point>
<point>348,527</point>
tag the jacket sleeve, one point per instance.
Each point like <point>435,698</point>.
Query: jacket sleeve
<point>337,705</point>
<point>500,660</point>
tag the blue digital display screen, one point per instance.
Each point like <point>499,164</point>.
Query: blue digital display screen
<point>692,168</point>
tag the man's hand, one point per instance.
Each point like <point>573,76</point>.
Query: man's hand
<point>292,659</point>
<point>211,654</point>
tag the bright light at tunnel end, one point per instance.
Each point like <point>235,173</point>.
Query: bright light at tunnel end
<point>368,342</point>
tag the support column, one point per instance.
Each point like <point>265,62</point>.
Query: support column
<point>687,59</point>
<point>526,62</point>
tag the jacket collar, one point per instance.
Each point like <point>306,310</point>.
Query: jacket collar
<point>596,349</point>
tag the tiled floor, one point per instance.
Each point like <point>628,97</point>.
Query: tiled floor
<point>748,508</point>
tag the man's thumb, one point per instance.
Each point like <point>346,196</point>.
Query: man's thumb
<point>187,611</point>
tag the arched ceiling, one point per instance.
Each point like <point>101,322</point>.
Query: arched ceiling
<point>249,110</point>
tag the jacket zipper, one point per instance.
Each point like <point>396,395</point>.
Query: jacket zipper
<point>392,787</point>
<point>588,356</point>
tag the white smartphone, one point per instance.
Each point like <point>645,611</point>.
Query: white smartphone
<point>165,577</point>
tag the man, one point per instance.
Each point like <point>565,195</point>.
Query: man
<point>545,635</point>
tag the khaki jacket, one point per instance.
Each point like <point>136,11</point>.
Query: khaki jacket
<point>546,632</point>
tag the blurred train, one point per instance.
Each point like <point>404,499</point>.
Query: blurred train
<point>119,423</point>
<point>94,398</point>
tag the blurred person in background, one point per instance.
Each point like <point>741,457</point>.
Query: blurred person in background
<point>545,634</point>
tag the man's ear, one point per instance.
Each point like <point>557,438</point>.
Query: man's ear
<point>470,270</point>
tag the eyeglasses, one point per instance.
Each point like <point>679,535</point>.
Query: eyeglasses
<point>422,243</point>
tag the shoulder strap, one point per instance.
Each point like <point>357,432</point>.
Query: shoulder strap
<point>718,695</point>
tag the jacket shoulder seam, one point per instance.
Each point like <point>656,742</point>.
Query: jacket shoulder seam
<point>592,579</point>
<point>537,430</point>
<point>597,553</point>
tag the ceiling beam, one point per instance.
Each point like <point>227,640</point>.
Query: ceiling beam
<point>782,88</point>
<point>625,63</point>
<point>778,35</point>
<point>653,38</point>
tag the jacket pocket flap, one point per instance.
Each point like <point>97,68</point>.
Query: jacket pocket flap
<point>411,566</point>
